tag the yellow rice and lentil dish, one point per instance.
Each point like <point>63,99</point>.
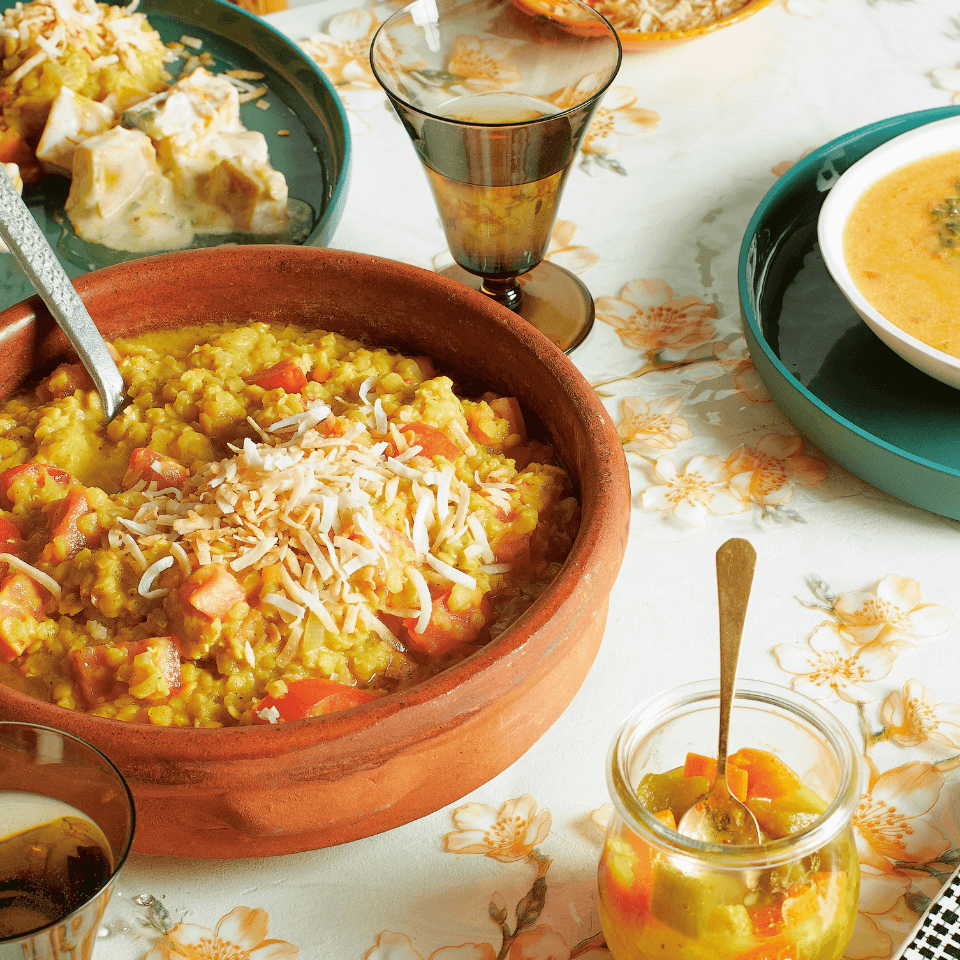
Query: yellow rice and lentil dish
<point>281,523</point>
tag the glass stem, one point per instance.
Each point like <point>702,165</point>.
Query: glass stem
<point>508,292</point>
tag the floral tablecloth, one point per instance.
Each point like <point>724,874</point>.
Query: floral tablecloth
<point>855,592</point>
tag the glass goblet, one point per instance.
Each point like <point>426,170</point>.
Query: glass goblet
<point>496,96</point>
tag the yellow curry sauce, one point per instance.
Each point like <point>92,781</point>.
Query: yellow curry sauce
<point>897,247</point>
<point>282,523</point>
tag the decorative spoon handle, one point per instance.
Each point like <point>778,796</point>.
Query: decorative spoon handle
<point>736,560</point>
<point>22,235</point>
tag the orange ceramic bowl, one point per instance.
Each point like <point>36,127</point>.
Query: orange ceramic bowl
<point>633,40</point>
<point>265,790</point>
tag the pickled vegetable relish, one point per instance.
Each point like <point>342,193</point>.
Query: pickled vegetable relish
<point>656,905</point>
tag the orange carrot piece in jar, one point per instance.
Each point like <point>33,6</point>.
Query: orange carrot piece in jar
<point>768,777</point>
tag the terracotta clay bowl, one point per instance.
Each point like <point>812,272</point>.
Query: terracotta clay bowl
<point>265,790</point>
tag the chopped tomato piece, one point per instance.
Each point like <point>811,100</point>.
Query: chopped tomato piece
<point>148,465</point>
<point>310,697</point>
<point>767,775</point>
<point>513,547</point>
<point>65,381</point>
<point>68,533</point>
<point>146,669</point>
<point>507,408</point>
<point>432,441</point>
<point>286,375</point>
<point>21,610</point>
<point>211,591</point>
<point>448,629</point>
<point>11,540</point>
<point>22,483</point>
<point>700,766</point>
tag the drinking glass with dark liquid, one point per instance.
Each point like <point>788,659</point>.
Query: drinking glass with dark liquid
<point>497,102</point>
<point>66,825</point>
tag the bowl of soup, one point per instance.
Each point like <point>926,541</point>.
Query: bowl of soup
<point>889,234</point>
<point>344,556</point>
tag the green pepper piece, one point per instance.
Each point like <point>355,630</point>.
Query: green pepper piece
<point>667,791</point>
<point>785,816</point>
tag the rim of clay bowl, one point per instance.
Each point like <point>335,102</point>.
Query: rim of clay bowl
<point>602,489</point>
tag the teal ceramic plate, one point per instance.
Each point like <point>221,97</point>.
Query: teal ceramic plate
<point>314,158</point>
<point>874,413</point>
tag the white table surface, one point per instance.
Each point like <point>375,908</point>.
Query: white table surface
<point>692,138</point>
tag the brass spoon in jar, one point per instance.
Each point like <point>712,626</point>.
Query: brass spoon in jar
<point>25,240</point>
<point>718,817</point>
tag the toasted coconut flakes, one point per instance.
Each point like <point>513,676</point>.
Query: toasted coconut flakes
<point>378,627</point>
<point>97,630</point>
<point>194,43</point>
<point>143,529</point>
<point>480,535</point>
<point>134,549</point>
<point>365,389</point>
<point>463,441</point>
<point>283,133</point>
<point>144,588</point>
<point>270,714</point>
<point>45,581</point>
<point>423,596</point>
<point>249,655</point>
<point>285,604</point>
<point>350,620</point>
<point>451,573</point>
<point>263,104</point>
<point>495,568</point>
<point>421,533</point>
<point>290,648</point>
<point>244,74</point>
<point>181,555</point>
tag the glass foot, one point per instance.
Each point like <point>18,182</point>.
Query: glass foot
<point>554,301</point>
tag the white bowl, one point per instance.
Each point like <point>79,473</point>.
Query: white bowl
<point>926,141</point>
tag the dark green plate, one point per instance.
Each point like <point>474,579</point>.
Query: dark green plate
<point>857,400</point>
<point>314,158</point>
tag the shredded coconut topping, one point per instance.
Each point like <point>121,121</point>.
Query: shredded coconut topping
<point>313,503</point>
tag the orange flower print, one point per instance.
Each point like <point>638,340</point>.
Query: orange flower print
<point>541,943</point>
<point>766,474</point>
<point>747,382</point>
<point>508,834</point>
<point>483,63</point>
<point>616,117</point>
<point>891,613</point>
<point>647,317</point>
<point>343,53</point>
<point>398,946</point>
<point>564,253</point>
<point>652,423</point>
<point>240,935</point>
<point>889,822</point>
<point>913,716</point>
<point>832,663</point>
<point>693,493</point>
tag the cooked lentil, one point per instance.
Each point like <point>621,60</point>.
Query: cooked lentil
<point>275,504</point>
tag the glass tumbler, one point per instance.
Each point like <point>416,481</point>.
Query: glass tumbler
<point>66,826</point>
<point>668,897</point>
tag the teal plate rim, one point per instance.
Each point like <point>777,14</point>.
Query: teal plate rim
<point>315,156</point>
<point>852,396</point>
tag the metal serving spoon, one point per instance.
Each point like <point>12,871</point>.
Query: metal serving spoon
<point>718,817</point>
<point>25,240</point>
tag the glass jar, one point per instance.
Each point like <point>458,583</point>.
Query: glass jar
<point>666,896</point>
